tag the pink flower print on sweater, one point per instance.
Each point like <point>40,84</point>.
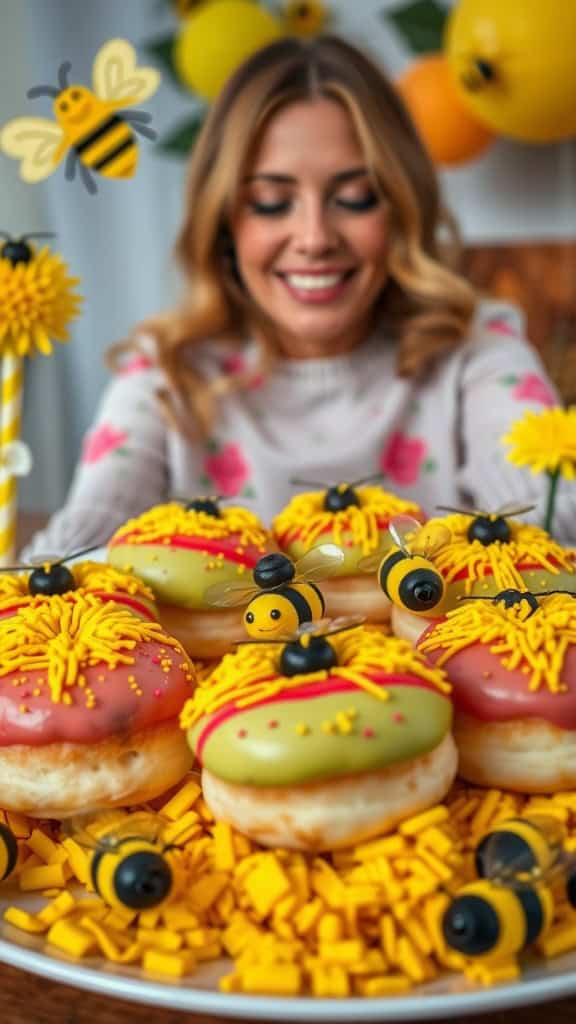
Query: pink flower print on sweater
<point>233,363</point>
<point>103,441</point>
<point>227,470</point>
<point>403,458</point>
<point>135,365</point>
<point>502,326</point>
<point>531,388</point>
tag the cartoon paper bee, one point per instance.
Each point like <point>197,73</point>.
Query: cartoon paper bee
<point>284,594</point>
<point>49,574</point>
<point>92,126</point>
<point>489,527</point>
<point>130,864</point>
<point>406,573</point>
<point>308,648</point>
<point>512,904</point>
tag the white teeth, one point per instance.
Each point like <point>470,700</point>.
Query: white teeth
<point>313,282</point>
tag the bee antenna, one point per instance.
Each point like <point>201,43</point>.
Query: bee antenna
<point>295,482</point>
<point>546,593</point>
<point>42,90</point>
<point>451,508</point>
<point>367,479</point>
<point>37,234</point>
<point>63,72</point>
<point>77,554</point>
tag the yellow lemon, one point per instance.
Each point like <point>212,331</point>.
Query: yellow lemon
<point>216,38</point>
<point>514,64</point>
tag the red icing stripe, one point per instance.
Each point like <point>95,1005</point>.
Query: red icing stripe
<point>249,557</point>
<point>324,688</point>
<point>129,601</point>
<point>521,567</point>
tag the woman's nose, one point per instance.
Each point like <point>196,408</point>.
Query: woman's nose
<point>315,232</point>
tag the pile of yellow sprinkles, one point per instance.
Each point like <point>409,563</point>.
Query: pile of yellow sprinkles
<point>364,921</point>
<point>162,522</point>
<point>529,546</point>
<point>251,673</point>
<point>535,643</point>
<point>305,519</point>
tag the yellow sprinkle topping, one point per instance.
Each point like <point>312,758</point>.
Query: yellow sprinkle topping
<point>535,644</point>
<point>89,576</point>
<point>305,518</point>
<point>162,522</point>
<point>251,673</point>
<point>66,634</point>
<point>529,545</point>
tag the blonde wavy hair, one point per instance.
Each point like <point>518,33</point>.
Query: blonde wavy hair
<point>425,303</point>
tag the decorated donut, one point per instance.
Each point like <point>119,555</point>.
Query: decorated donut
<point>89,703</point>
<point>104,581</point>
<point>483,555</point>
<point>512,665</point>
<point>180,551</point>
<point>356,518</point>
<point>323,741</point>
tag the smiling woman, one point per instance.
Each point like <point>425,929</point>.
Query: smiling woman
<point>322,332</point>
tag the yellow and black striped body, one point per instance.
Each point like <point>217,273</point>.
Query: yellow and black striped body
<point>8,851</point>
<point>411,582</point>
<point>131,872</point>
<point>104,141</point>
<point>489,920</point>
<point>278,612</point>
<point>522,845</point>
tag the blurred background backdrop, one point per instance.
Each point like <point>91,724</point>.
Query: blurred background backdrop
<point>515,203</point>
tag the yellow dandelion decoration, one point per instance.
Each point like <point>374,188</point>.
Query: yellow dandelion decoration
<point>37,299</point>
<point>545,442</point>
<point>305,17</point>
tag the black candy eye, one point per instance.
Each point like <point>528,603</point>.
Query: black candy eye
<point>275,614</point>
<point>250,617</point>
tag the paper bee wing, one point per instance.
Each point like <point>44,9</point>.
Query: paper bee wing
<point>318,563</point>
<point>35,142</point>
<point>116,76</point>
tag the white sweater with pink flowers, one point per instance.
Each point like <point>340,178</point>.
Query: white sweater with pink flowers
<point>436,441</point>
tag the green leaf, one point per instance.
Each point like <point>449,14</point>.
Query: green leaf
<point>180,141</point>
<point>509,381</point>
<point>249,492</point>
<point>430,465</point>
<point>213,445</point>
<point>162,50</point>
<point>205,481</point>
<point>421,25</point>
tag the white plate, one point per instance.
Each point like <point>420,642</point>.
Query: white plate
<point>451,996</point>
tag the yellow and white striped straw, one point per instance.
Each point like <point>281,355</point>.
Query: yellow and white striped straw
<point>10,423</point>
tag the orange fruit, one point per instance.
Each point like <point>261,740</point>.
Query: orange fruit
<point>450,132</point>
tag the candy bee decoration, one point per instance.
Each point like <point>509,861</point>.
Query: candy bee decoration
<point>50,575</point>
<point>406,573</point>
<point>284,593</point>
<point>513,902</point>
<point>91,127</point>
<point>489,527</point>
<point>130,865</point>
<point>308,648</point>
<point>37,299</point>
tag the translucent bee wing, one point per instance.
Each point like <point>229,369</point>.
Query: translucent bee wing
<point>319,562</point>
<point>519,867</point>
<point>116,76</point>
<point>369,563</point>
<point>230,594</point>
<point>462,511</point>
<point>431,537</point>
<point>44,559</point>
<point>35,141</point>
<point>403,529</point>
<point>513,509</point>
<point>327,626</point>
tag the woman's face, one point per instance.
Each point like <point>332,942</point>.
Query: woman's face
<point>310,232</point>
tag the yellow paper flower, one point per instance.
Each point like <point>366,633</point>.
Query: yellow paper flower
<point>545,442</point>
<point>304,17</point>
<point>37,300</point>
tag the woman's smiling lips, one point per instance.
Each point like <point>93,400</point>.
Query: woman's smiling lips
<point>315,286</point>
